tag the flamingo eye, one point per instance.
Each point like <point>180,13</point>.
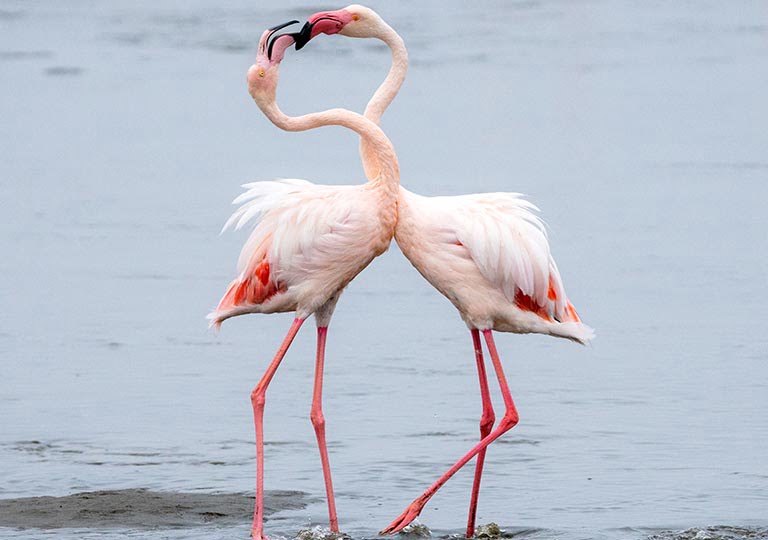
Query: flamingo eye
<point>355,17</point>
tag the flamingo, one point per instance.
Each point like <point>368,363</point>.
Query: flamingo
<point>308,243</point>
<point>487,253</point>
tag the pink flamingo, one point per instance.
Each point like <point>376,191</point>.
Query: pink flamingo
<point>487,253</point>
<point>309,242</point>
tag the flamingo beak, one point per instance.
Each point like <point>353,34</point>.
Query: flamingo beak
<point>271,36</point>
<point>325,22</point>
<point>303,36</point>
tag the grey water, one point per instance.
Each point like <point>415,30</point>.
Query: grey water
<point>639,129</point>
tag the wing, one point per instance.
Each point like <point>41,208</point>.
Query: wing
<point>508,243</point>
<point>301,231</point>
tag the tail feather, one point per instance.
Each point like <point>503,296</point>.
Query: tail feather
<point>575,331</point>
<point>245,292</point>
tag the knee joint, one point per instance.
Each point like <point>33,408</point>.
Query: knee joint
<point>318,420</point>
<point>258,396</point>
<point>510,420</point>
<point>486,421</point>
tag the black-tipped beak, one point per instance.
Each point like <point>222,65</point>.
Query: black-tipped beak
<point>281,26</point>
<point>303,36</point>
<point>273,35</point>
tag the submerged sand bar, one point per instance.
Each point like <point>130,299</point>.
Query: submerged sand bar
<point>140,509</point>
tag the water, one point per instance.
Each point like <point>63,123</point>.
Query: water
<point>638,128</point>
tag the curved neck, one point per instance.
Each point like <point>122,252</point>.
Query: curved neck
<point>385,93</point>
<point>388,174</point>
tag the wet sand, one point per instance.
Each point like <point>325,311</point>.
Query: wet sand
<point>139,509</point>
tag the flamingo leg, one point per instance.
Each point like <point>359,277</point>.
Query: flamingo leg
<point>258,398</point>
<point>318,421</point>
<point>486,424</point>
<point>509,420</point>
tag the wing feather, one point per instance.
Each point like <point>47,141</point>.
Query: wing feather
<point>298,227</point>
<point>260,197</point>
<point>508,242</point>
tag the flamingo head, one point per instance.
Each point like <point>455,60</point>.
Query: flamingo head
<point>262,75</point>
<point>352,21</point>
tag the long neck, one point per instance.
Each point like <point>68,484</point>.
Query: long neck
<point>388,174</point>
<point>384,94</point>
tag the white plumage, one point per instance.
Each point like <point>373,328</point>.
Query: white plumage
<point>489,255</point>
<point>310,241</point>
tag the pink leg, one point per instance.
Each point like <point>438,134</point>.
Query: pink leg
<point>258,400</point>
<point>507,422</point>
<point>486,424</point>
<point>318,421</point>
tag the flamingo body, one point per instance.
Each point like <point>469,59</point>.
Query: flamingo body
<point>309,241</point>
<point>488,254</point>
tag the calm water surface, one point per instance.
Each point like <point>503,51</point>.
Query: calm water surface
<point>638,128</point>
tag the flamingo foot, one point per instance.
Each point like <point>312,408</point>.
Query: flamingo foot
<point>404,519</point>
